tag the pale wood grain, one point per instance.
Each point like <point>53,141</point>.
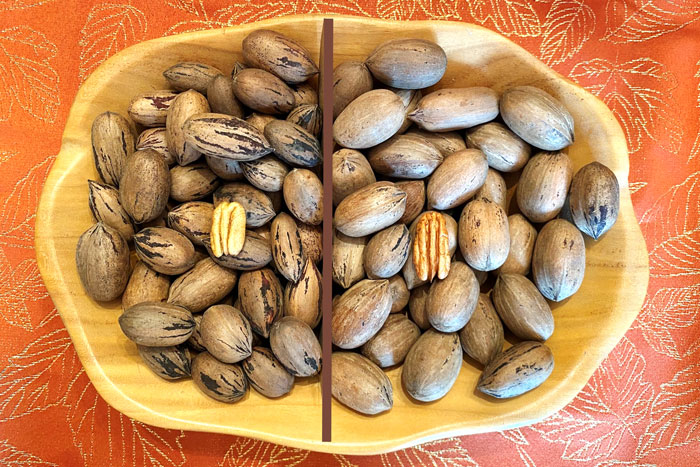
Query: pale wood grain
<point>587,326</point>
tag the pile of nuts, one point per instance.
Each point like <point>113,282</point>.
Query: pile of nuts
<point>421,219</point>
<point>220,198</point>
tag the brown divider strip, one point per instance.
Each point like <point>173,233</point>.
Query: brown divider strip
<point>326,88</point>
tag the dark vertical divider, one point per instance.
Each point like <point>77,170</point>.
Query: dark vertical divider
<point>326,92</point>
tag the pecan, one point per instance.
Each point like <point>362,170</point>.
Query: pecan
<point>431,253</point>
<point>228,229</point>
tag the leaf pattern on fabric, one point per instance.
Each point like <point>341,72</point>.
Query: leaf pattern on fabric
<point>568,25</point>
<point>595,424</point>
<point>674,245</point>
<point>638,93</point>
<point>27,74</point>
<point>109,28</point>
<point>641,20</point>
<point>18,210</point>
<point>509,17</point>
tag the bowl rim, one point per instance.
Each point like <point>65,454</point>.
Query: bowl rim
<point>47,258</point>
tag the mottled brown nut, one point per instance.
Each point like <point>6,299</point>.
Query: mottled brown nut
<point>484,238</point>
<point>202,286</point>
<point>225,382</point>
<point>494,189</point>
<point>410,98</point>
<point>195,341</point>
<point>227,234</point>
<point>543,185</point>
<point>151,108</point>
<point>155,138</point>
<point>594,199</point>
<point>193,220</point>
<point>157,324</point>
<point>164,250</point>
<point>226,333</point>
<point>386,252</point>
<point>192,182</point>
<point>226,169</point>
<point>457,179</point>
<point>393,341</point>
<point>504,150</point>
<point>537,117</point>
<point>286,245</point>
<point>370,209</point>
<point>482,338</point>
<point>305,94</point>
<point>278,54</point>
<point>360,312</point>
<point>191,75</point>
<point>430,247</point>
<point>360,384</point>
<point>263,92</point>
<point>408,63</point>
<point>106,207</point>
<point>370,119</point>
<point>348,256</point>
<point>295,345</point>
<point>452,300</point>
<point>145,186</point>
<point>399,293</point>
<point>262,300</point>
<point>522,243</point>
<point>221,97</point>
<point>221,135</point>
<point>266,374</point>
<point>455,108</point>
<point>171,363</point>
<point>256,203</point>
<point>311,240</point>
<point>259,121</point>
<point>447,142</point>
<point>102,260</point>
<point>302,299</point>
<point>184,106</point>
<point>255,254</point>
<point>415,199</point>
<point>417,308</point>
<point>303,195</point>
<point>308,117</point>
<point>351,171</point>
<point>516,371</point>
<point>522,308</point>
<point>112,144</point>
<point>405,156</point>
<point>351,79</point>
<point>145,285</point>
<point>559,260</point>
<point>432,365</point>
<point>293,144</point>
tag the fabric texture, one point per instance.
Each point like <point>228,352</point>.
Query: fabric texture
<point>641,407</point>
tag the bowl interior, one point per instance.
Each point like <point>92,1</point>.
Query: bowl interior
<point>587,326</point>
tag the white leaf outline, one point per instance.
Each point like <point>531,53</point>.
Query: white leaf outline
<point>29,78</point>
<point>645,21</point>
<point>619,380</point>
<point>109,28</point>
<point>641,111</point>
<point>566,18</point>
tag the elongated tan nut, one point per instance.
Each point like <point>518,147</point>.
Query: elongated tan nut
<point>227,229</point>
<point>431,255</point>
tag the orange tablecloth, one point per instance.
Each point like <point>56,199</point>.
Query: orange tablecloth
<point>642,406</point>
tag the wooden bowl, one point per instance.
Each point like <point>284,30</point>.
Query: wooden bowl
<point>588,325</point>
